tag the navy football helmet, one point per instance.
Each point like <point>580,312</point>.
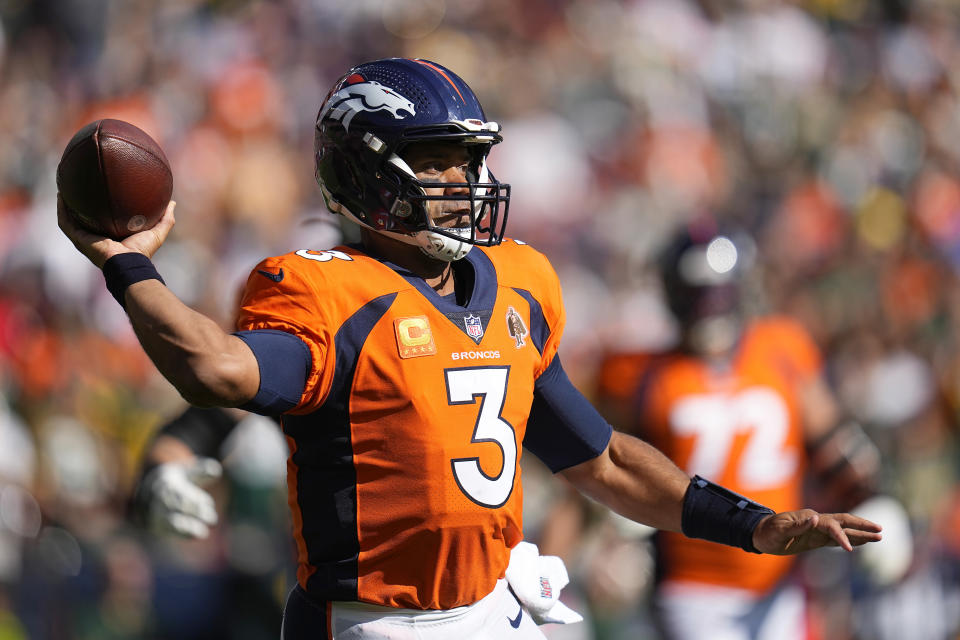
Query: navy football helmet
<point>372,113</point>
<point>703,273</point>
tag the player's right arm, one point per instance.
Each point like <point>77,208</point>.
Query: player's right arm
<point>207,365</point>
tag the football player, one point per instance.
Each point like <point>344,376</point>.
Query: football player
<point>741,400</point>
<point>410,370</point>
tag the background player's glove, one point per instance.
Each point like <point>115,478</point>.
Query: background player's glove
<point>174,501</point>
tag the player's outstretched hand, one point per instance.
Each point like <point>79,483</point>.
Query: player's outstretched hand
<point>174,500</point>
<point>98,249</point>
<point>792,532</point>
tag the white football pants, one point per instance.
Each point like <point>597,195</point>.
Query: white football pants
<point>497,616</point>
<point>694,612</point>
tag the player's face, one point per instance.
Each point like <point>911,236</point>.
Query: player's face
<point>713,328</point>
<point>442,163</point>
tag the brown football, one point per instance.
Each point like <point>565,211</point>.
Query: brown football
<point>114,179</point>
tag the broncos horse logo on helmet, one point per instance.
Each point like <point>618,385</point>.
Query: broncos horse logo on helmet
<point>365,96</point>
<point>370,115</point>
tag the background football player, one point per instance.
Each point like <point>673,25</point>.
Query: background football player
<point>742,397</point>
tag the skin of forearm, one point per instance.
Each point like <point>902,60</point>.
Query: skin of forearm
<point>167,449</point>
<point>818,408</point>
<point>208,366</point>
<point>635,480</point>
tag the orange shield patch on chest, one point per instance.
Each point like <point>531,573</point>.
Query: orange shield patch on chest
<point>414,338</point>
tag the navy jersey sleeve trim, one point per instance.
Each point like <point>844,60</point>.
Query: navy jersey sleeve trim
<point>564,428</point>
<point>326,479</point>
<point>284,361</point>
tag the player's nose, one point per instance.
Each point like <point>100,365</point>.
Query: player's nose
<point>456,178</point>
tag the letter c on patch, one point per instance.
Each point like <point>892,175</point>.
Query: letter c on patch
<point>414,331</point>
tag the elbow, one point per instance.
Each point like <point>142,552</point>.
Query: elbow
<point>590,476</point>
<point>218,382</point>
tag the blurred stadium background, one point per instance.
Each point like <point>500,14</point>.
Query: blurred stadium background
<point>830,129</point>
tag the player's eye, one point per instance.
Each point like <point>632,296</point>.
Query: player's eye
<point>437,167</point>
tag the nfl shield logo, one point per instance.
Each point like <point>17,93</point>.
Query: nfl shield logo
<point>474,327</point>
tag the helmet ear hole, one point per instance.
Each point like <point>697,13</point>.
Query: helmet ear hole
<point>476,168</point>
<point>402,209</point>
<point>336,175</point>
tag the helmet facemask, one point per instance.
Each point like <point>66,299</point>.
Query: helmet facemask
<point>482,193</point>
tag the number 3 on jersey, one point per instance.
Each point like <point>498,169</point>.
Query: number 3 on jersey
<point>489,384</point>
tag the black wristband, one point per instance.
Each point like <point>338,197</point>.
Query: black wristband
<point>713,513</point>
<point>125,269</point>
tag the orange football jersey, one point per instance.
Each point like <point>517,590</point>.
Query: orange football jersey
<point>740,428</point>
<point>404,473</point>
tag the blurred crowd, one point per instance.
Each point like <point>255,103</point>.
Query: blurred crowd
<point>827,129</point>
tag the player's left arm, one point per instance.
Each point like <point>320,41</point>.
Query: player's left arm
<point>842,458</point>
<point>637,481</point>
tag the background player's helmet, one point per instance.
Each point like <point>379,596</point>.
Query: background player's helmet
<point>702,274</point>
<point>373,112</point>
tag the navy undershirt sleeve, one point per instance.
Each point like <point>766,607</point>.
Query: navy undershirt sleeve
<point>564,428</point>
<point>284,361</point>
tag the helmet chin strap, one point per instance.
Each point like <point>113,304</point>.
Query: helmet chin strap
<point>444,247</point>
<point>435,245</point>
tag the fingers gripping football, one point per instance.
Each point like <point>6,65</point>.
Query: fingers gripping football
<point>793,532</point>
<point>176,501</point>
<point>98,249</point>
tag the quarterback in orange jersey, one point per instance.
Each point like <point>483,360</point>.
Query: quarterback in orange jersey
<point>741,401</point>
<point>411,370</point>
<point>422,495</point>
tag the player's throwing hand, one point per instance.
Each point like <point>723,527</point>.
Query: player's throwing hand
<point>793,532</point>
<point>98,249</point>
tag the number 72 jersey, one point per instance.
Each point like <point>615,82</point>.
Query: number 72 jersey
<point>739,426</point>
<point>404,474</point>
